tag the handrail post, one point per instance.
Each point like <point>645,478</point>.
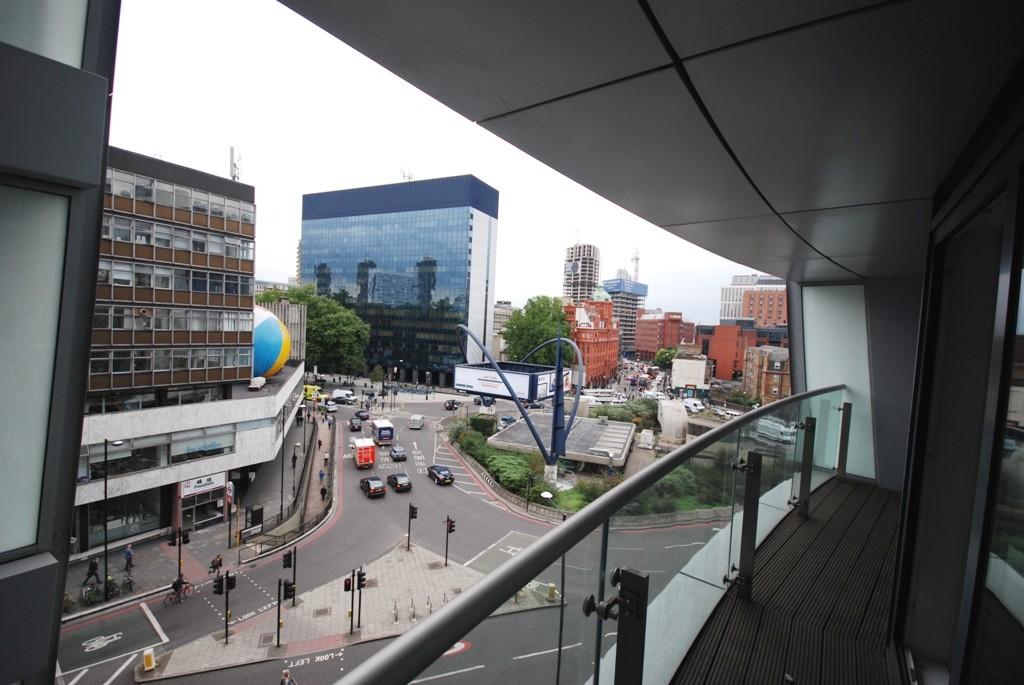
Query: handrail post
<point>806,466</point>
<point>748,537</point>
<point>844,439</point>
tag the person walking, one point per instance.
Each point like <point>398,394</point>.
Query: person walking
<point>94,572</point>
<point>216,564</point>
<point>323,493</point>
<point>321,476</point>
<point>295,460</point>
<point>129,559</point>
<point>287,679</point>
<point>319,443</point>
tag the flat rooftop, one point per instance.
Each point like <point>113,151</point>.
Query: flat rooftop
<point>240,389</point>
<point>590,440</point>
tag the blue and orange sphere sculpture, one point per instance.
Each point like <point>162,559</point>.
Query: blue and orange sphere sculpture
<point>271,343</point>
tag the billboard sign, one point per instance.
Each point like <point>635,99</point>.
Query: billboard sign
<point>531,382</point>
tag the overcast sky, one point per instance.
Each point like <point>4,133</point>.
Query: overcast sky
<point>306,113</point>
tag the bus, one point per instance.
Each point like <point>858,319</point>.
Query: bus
<point>382,431</point>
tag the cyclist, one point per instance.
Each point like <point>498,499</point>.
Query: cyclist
<point>177,586</point>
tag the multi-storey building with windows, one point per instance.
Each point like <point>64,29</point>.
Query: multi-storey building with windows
<point>766,306</point>
<point>627,297</point>
<point>502,312</point>
<point>766,373</point>
<point>593,328</point>
<point>731,306</point>
<point>582,272</point>
<point>411,259</point>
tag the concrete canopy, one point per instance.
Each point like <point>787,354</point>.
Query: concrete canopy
<point>804,138</point>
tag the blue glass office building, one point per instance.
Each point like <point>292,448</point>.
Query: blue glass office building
<point>413,260</point>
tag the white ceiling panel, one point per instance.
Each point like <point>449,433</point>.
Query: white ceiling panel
<point>695,26</point>
<point>642,144</point>
<point>486,58</point>
<point>871,108</point>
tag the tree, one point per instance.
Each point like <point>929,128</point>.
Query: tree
<point>538,322</point>
<point>336,338</point>
<point>663,359</point>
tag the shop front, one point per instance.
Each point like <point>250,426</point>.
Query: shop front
<point>202,501</point>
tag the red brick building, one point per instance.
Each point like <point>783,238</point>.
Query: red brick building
<point>656,330</point>
<point>767,307</point>
<point>766,373</point>
<point>597,335</point>
<point>726,345</point>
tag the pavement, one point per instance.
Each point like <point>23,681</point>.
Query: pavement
<point>156,561</point>
<point>403,587</point>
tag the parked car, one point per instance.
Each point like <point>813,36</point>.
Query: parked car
<point>452,405</point>
<point>535,405</point>
<point>440,474</point>
<point>507,421</point>
<point>400,482</point>
<point>373,486</point>
<point>363,415</point>
<point>398,453</point>
<point>355,424</point>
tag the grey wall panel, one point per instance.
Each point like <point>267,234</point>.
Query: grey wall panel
<point>893,309</point>
<point>55,132</point>
<point>26,586</point>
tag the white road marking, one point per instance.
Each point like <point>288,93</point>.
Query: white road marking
<point>153,622</point>
<point>445,675</point>
<point>482,552</point>
<point>111,658</point>
<point>125,665</point>
<point>79,676</point>
<point>610,634</point>
<point>546,651</point>
<point>468,492</point>
<point>688,544</point>
<point>627,549</point>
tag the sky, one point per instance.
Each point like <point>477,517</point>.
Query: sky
<point>306,113</point>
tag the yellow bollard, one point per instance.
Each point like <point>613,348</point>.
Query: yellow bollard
<point>148,659</point>
<point>552,593</point>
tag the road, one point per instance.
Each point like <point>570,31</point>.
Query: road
<point>102,648</point>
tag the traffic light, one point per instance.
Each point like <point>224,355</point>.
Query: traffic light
<point>289,589</point>
<point>451,524</point>
<point>288,559</point>
<point>414,512</point>
<point>231,581</point>
<point>348,584</point>
<point>218,585</point>
<point>360,579</point>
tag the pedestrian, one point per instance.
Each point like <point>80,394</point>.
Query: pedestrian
<point>295,460</point>
<point>216,564</point>
<point>323,493</point>
<point>326,457</point>
<point>287,679</point>
<point>129,559</point>
<point>94,572</point>
<point>321,475</point>
<point>177,585</point>
<point>319,443</point>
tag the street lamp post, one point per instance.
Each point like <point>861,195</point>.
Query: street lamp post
<point>115,443</point>
<point>427,394</point>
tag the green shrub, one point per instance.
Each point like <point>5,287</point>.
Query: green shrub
<point>483,424</point>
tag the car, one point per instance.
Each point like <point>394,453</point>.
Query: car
<point>373,486</point>
<point>440,474</point>
<point>476,399</point>
<point>355,424</point>
<point>535,405</point>
<point>398,453</point>
<point>347,399</point>
<point>363,415</point>
<point>400,482</point>
<point>452,405</point>
<point>507,421</point>
<point>331,407</point>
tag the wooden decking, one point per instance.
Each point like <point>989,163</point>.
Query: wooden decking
<point>820,598</point>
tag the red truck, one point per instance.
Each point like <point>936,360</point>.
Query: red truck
<point>365,453</point>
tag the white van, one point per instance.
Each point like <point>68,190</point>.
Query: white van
<point>416,421</point>
<point>693,405</point>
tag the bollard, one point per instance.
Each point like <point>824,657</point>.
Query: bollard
<point>148,659</point>
<point>552,593</point>
<point>412,609</point>
<point>430,607</point>
<point>396,611</point>
<point>444,598</point>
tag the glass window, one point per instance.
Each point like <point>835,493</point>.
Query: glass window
<point>143,233</point>
<point>230,321</point>
<point>248,252</point>
<point>162,319</point>
<point>199,281</point>
<point>216,282</point>
<point>109,177</point>
<point>124,184</point>
<point>181,280</point>
<point>230,357</point>
<point>198,241</point>
<point>245,285</point>
<point>231,284</point>
<point>122,229</point>
<point>245,321</point>
<point>143,188</point>
<point>162,235</point>
<point>244,356</point>
<point>101,317</point>
<point>164,194</point>
<point>162,276</point>
<point>105,226</point>
<point>122,273</point>
<point>121,318</point>
<point>143,319</point>
<point>143,276</point>
<point>99,362</point>
<point>182,239</point>
<point>182,198</point>
<point>198,320</point>
<point>180,319</point>
<point>199,358</point>
<point>216,205</point>
<point>200,202</point>
<point>161,360</point>
<point>215,244</point>
<point>248,213</point>
<point>214,321</point>
<point>180,359</point>
<point>143,360</point>
<point>213,358</point>
<point>232,247</point>
<point>122,361</point>
<point>103,273</point>
<point>232,209</point>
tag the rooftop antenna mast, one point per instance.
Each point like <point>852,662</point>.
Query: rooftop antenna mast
<point>636,265</point>
<point>235,172</point>
<point>407,174</point>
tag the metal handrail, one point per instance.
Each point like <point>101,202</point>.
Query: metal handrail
<point>406,657</point>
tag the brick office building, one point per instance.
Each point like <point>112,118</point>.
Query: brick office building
<point>766,306</point>
<point>726,345</point>
<point>596,333</point>
<point>656,330</point>
<point>766,373</point>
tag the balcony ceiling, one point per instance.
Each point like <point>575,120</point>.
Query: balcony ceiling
<point>805,138</point>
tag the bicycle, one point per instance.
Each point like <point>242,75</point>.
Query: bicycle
<point>91,594</point>
<point>186,591</point>
<point>128,582</point>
